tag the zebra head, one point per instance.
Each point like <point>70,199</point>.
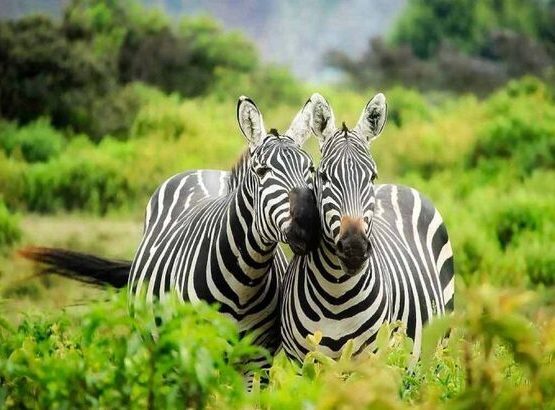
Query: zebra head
<point>344,182</point>
<point>280,178</point>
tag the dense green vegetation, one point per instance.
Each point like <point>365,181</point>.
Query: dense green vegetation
<point>88,134</point>
<point>499,355</point>
<point>9,228</point>
<point>459,45</point>
<point>75,71</point>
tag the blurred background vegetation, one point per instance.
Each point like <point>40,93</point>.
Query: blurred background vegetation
<point>103,99</point>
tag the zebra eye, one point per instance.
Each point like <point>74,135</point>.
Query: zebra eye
<point>311,169</point>
<point>323,177</point>
<point>262,171</point>
<point>373,177</point>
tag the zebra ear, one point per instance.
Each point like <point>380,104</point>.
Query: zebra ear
<point>299,129</point>
<point>316,115</point>
<point>372,119</point>
<point>322,120</point>
<point>250,121</point>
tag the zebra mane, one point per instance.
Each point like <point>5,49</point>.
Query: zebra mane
<point>238,170</point>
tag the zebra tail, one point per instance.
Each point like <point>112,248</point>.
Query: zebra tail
<point>83,267</point>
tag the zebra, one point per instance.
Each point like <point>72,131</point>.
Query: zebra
<point>213,235</point>
<point>384,253</point>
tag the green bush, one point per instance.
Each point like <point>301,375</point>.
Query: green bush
<point>105,359</point>
<point>498,354</point>
<point>540,263</point>
<point>465,23</point>
<point>405,105</point>
<point>35,142</point>
<point>161,116</point>
<point>269,86</point>
<point>114,114</point>
<point>83,63</point>
<point>85,178</point>
<point>9,227</point>
<point>65,78</point>
<point>513,219</point>
<point>528,143</point>
<point>520,128</point>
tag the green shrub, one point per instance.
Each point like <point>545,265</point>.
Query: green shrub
<point>85,178</point>
<point>498,355</point>
<point>424,25</point>
<point>106,359</point>
<point>405,105</point>
<point>113,115</point>
<point>35,142</point>
<point>513,219</point>
<point>529,144</point>
<point>160,116</point>
<point>269,86</point>
<point>9,227</point>
<point>520,128</point>
<point>540,264</point>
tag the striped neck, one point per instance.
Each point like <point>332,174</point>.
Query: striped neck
<point>326,270</point>
<point>253,255</point>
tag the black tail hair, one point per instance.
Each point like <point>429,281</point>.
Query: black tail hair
<point>80,266</point>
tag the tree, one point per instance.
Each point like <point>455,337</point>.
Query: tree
<point>42,73</point>
<point>460,45</point>
<point>185,60</point>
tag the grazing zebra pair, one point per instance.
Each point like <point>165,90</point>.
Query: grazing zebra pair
<point>383,253</point>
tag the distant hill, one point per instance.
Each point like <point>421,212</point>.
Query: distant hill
<point>289,32</point>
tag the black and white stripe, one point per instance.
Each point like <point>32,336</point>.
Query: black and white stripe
<point>384,255</point>
<point>213,235</point>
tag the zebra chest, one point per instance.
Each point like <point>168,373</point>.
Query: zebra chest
<point>339,312</point>
<point>357,323</point>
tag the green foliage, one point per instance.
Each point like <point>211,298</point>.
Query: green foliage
<point>458,45</point>
<point>521,129</point>
<point>513,220</point>
<point>44,74</point>
<point>540,263</point>
<point>89,179</point>
<point>405,105</point>
<point>425,24</point>
<point>465,23</point>
<point>161,116</point>
<point>498,355</point>
<point>35,142</point>
<point>268,86</point>
<point>9,227</point>
<point>81,65</point>
<point>106,359</point>
<point>184,60</point>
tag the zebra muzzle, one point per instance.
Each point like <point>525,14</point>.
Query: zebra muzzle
<point>303,231</point>
<point>353,246</point>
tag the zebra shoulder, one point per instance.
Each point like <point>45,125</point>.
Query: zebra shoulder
<point>405,199</point>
